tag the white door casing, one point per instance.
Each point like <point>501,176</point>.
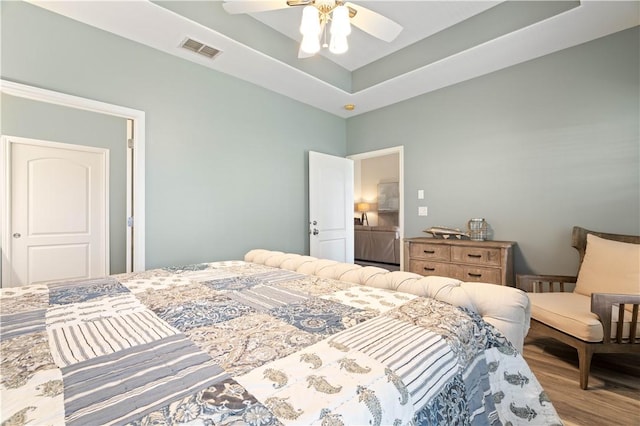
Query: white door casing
<point>57,223</point>
<point>136,171</point>
<point>331,207</point>
<point>381,153</point>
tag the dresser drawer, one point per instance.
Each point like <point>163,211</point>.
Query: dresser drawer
<point>476,255</point>
<point>430,251</point>
<point>429,268</point>
<point>475,274</point>
<point>469,261</point>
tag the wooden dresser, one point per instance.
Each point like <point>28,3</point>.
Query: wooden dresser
<point>480,261</point>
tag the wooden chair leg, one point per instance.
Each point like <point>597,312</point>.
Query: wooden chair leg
<point>585,353</point>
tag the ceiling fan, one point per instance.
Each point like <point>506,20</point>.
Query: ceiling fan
<point>316,16</point>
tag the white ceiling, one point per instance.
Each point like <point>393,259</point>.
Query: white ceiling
<point>411,70</point>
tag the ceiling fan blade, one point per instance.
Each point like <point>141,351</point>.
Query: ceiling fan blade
<point>251,6</point>
<point>374,23</point>
<point>299,2</point>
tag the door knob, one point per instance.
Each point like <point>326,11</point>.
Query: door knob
<point>315,231</point>
<point>17,235</point>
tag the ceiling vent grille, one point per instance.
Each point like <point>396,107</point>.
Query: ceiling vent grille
<point>200,48</point>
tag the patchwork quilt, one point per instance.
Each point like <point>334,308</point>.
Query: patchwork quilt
<point>230,343</point>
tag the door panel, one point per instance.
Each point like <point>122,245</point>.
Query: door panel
<point>57,212</point>
<point>331,207</point>
<point>51,263</point>
<point>58,204</point>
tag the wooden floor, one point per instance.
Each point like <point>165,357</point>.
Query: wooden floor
<point>387,266</point>
<point>613,396</point>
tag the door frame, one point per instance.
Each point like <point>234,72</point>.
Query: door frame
<point>135,164</point>
<point>381,153</point>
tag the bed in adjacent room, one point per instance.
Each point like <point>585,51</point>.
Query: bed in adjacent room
<point>274,339</point>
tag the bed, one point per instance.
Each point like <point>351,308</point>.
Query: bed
<point>272,339</point>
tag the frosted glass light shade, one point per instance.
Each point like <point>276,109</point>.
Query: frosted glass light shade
<point>338,44</point>
<point>310,24</point>
<point>340,24</point>
<point>310,44</point>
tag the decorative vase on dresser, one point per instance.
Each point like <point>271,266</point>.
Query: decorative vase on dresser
<point>466,260</point>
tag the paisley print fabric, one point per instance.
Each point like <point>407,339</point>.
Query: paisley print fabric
<point>242,344</point>
<point>200,313</point>
<point>22,357</point>
<point>24,299</point>
<point>231,343</point>
<point>76,292</point>
<point>227,403</point>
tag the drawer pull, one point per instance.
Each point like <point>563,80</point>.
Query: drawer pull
<point>429,269</point>
<point>429,251</point>
<point>477,256</point>
<point>474,275</point>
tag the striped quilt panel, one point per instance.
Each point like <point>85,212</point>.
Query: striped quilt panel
<point>118,388</point>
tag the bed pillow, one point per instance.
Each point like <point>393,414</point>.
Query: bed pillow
<point>609,267</point>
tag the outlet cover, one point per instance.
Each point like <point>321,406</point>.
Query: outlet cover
<point>420,194</point>
<point>422,211</point>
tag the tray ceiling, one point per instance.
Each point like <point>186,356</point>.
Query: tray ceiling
<point>442,43</point>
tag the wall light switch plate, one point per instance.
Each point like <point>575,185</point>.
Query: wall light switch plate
<point>422,211</point>
<point>420,194</point>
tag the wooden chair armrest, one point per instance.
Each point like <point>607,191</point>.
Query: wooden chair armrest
<point>602,304</point>
<point>543,283</point>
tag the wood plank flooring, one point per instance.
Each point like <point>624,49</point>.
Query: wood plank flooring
<point>387,266</point>
<point>613,396</point>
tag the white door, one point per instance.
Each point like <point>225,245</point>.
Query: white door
<point>330,207</point>
<point>57,212</point>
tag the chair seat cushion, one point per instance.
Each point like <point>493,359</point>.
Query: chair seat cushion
<point>571,314</point>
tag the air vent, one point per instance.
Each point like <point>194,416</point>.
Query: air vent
<point>200,48</point>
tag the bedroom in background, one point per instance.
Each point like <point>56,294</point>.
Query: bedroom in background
<point>379,198</point>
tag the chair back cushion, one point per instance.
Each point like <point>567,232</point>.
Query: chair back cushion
<point>609,267</point>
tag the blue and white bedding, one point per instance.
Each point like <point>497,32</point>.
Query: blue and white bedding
<point>231,343</point>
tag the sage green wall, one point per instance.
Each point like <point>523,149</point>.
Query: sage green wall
<point>226,161</point>
<point>535,149</point>
<point>37,120</point>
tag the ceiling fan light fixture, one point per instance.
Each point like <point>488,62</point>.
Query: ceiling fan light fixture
<point>310,44</point>
<point>310,25</point>
<point>340,24</point>
<point>338,44</point>
<point>313,25</point>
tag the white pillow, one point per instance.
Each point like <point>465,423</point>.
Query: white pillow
<point>609,267</point>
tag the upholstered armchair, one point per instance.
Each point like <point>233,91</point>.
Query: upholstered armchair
<point>600,314</point>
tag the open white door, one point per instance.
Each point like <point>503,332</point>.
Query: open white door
<point>330,207</point>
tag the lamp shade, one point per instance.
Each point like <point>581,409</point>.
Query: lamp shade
<point>363,207</point>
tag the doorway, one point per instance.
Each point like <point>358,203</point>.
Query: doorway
<point>133,227</point>
<point>377,175</point>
